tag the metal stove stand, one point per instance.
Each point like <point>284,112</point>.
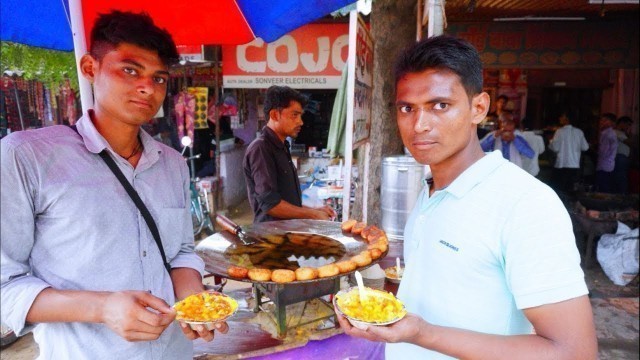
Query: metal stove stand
<point>286,294</point>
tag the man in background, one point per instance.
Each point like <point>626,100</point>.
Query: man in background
<point>622,162</point>
<point>272,180</point>
<point>568,143</point>
<point>607,149</point>
<point>536,142</point>
<point>508,140</point>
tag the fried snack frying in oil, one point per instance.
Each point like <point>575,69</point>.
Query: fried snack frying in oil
<point>380,245</point>
<point>348,225</point>
<point>362,259</point>
<point>306,273</point>
<point>283,276</point>
<point>378,306</point>
<point>328,270</point>
<point>205,307</point>
<point>375,253</point>
<point>367,230</point>
<point>346,266</point>
<point>358,227</point>
<point>259,274</point>
<point>237,272</point>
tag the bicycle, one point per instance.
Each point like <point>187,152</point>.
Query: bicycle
<point>199,207</point>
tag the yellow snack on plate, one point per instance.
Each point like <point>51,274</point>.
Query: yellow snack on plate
<point>378,307</point>
<point>205,307</point>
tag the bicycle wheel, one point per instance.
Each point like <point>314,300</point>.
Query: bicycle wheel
<point>196,216</point>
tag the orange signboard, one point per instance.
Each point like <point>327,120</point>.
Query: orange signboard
<point>311,57</point>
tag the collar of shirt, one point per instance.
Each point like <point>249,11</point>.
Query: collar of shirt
<point>271,136</point>
<point>472,176</point>
<point>95,142</point>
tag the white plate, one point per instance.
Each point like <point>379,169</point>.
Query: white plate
<point>359,323</point>
<point>210,325</point>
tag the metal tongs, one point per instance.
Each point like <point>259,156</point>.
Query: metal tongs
<point>235,229</point>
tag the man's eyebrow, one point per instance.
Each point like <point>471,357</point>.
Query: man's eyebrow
<point>434,100</point>
<point>140,66</point>
<point>132,62</point>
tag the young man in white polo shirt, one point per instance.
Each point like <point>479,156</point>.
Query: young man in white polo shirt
<point>492,270</point>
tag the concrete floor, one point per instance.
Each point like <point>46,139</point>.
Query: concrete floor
<point>615,310</point>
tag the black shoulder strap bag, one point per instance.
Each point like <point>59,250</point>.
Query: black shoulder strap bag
<point>136,200</point>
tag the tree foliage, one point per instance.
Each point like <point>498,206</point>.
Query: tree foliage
<point>48,66</point>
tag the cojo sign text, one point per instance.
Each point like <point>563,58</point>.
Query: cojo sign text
<point>311,57</point>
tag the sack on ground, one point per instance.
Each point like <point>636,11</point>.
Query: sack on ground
<point>618,254</point>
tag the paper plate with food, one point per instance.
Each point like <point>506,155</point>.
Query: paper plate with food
<point>205,308</point>
<point>394,273</point>
<point>371,307</point>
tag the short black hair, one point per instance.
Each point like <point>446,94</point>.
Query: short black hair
<point>117,27</point>
<point>609,116</point>
<point>503,96</point>
<point>443,52</point>
<point>624,120</point>
<point>280,97</point>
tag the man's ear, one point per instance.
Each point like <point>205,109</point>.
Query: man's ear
<point>274,114</point>
<point>479,107</point>
<point>88,66</point>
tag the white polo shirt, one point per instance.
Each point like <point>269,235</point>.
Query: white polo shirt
<point>492,243</point>
<point>568,142</point>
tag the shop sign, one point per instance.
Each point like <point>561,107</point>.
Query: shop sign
<point>311,57</point>
<point>190,52</point>
<point>363,87</point>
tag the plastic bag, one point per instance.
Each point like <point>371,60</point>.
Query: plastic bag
<point>618,254</point>
<point>310,197</point>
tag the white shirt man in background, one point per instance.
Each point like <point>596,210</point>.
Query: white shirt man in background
<point>536,142</point>
<point>568,143</point>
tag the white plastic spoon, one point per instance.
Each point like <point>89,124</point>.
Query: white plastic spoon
<point>398,269</point>
<point>361,290</point>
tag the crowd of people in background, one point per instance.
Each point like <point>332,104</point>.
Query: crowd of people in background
<point>522,146</point>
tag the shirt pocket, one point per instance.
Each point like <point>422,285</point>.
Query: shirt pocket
<point>174,225</point>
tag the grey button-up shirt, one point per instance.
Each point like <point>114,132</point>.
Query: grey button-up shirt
<point>68,223</point>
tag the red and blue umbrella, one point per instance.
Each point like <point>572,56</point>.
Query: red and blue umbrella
<point>46,23</point>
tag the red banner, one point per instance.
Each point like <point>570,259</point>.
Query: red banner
<point>311,57</point>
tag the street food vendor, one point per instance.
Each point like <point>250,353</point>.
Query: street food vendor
<point>272,180</point>
<point>81,265</point>
<point>492,269</point>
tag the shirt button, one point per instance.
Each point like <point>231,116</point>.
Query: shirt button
<point>144,254</point>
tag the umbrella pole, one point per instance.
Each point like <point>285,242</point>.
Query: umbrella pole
<point>79,49</point>
<point>15,91</point>
<point>218,198</point>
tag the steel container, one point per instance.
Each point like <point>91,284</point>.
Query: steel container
<point>401,184</point>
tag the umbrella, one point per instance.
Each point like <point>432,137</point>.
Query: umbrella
<point>46,23</point>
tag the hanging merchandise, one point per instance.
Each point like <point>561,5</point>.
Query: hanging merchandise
<point>229,106</point>
<point>200,95</point>
<point>237,122</point>
<point>9,89</point>
<point>184,105</point>
<point>47,119</point>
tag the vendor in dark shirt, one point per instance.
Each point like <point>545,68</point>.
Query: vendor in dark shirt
<point>272,181</point>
